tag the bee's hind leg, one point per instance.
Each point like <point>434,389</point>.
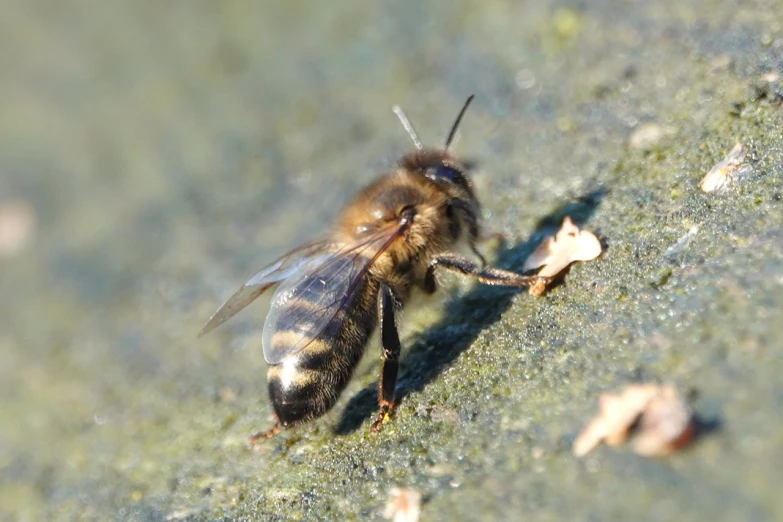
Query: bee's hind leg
<point>263,435</point>
<point>390,344</point>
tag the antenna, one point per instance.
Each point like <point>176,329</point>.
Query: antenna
<point>408,127</point>
<point>456,122</point>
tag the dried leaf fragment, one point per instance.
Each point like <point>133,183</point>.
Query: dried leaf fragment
<point>404,505</point>
<point>662,418</point>
<point>721,174</point>
<point>569,245</point>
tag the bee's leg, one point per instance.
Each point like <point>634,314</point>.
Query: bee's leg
<point>476,251</point>
<point>390,344</point>
<point>497,237</point>
<point>488,276</point>
<point>263,435</point>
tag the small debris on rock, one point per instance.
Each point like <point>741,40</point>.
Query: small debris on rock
<point>226,394</point>
<point>569,245</point>
<point>681,243</point>
<point>404,505</point>
<point>441,414</point>
<point>722,62</point>
<point>662,419</point>
<point>646,136</point>
<point>17,227</point>
<point>721,174</point>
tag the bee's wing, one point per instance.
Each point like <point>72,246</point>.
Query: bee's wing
<point>306,305</point>
<point>285,267</point>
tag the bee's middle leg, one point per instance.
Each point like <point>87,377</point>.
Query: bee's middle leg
<point>263,435</point>
<point>390,344</point>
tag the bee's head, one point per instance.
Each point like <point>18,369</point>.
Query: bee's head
<point>437,165</point>
<point>449,174</point>
<point>429,191</point>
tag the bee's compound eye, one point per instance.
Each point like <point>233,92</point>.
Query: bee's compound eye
<point>444,173</point>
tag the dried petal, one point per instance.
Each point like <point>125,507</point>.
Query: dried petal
<point>569,245</point>
<point>664,421</point>
<point>617,414</point>
<point>665,425</point>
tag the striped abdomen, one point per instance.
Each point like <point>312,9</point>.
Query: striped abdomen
<point>305,385</point>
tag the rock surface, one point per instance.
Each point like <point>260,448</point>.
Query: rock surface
<point>169,150</point>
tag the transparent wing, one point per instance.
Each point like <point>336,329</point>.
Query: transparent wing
<point>283,268</point>
<point>306,305</point>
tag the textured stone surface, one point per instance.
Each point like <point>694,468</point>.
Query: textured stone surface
<point>171,149</point>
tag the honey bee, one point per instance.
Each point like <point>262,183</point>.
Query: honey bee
<point>333,293</point>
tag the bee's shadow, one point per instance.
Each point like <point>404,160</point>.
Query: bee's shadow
<point>464,318</point>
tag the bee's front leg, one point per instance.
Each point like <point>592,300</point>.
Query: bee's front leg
<point>390,344</point>
<point>487,276</point>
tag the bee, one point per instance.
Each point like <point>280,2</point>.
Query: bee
<point>331,295</point>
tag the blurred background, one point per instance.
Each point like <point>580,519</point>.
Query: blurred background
<point>153,156</point>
